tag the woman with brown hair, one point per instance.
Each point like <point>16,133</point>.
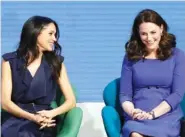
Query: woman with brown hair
<point>30,76</point>
<point>152,79</point>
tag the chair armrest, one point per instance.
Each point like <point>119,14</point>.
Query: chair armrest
<point>71,124</point>
<point>182,127</point>
<point>53,104</point>
<point>111,121</point>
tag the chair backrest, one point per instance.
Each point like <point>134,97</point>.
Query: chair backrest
<point>183,105</point>
<point>60,98</point>
<point>111,95</point>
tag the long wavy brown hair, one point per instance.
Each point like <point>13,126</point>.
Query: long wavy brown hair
<point>136,50</point>
<point>27,48</point>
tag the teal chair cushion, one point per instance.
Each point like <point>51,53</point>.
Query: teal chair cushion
<point>183,105</point>
<point>111,112</point>
<point>111,121</point>
<point>110,94</point>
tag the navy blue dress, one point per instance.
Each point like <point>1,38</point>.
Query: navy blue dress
<point>31,94</point>
<point>147,83</point>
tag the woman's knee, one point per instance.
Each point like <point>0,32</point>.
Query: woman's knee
<point>135,134</point>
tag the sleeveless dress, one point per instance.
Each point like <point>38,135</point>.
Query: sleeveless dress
<point>31,94</point>
<point>147,83</point>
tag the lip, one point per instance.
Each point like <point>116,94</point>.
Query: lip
<point>52,43</point>
<point>150,43</point>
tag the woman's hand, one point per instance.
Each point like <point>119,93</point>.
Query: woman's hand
<point>135,111</point>
<point>47,113</point>
<point>150,117</point>
<point>48,116</point>
<point>38,119</point>
<point>48,123</point>
<point>140,114</point>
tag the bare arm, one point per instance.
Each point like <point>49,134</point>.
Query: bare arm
<point>6,92</point>
<point>128,107</point>
<point>67,91</point>
<point>161,109</point>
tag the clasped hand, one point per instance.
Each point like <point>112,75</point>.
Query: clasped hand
<point>45,119</point>
<point>139,114</point>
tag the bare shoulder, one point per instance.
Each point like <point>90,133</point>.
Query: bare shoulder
<point>6,59</point>
<point>5,63</point>
<point>5,67</point>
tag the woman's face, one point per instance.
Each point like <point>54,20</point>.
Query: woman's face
<point>46,39</point>
<point>150,35</point>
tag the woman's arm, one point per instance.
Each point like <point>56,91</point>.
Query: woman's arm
<point>177,89</point>
<point>126,91</point>
<point>6,92</point>
<point>161,109</point>
<point>67,91</point>
<point>128,107</point>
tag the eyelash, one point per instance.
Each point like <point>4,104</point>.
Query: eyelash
<point>145,34</point>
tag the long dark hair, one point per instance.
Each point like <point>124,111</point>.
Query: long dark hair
<point>135,49</point>
<point>28,49</point>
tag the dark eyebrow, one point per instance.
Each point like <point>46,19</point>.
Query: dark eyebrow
<point>145,32</point>
<point>52,31</point>
<point>142,32</point>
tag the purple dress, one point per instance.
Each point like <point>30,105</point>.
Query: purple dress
<point>31,94</point>
<point>149,82</point>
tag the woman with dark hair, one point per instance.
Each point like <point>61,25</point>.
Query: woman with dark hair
<point>30,76</point>
<point>152,79</point>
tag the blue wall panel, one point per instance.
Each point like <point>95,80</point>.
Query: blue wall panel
<point>93,35</point>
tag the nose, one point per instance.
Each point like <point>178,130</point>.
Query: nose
<point>54,38</point>
<point>149,37</point>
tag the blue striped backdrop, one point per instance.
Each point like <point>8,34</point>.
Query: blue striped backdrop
<point>93,35</point>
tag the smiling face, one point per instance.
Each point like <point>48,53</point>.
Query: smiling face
<point>46,39</point>
<point>150,35</point>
